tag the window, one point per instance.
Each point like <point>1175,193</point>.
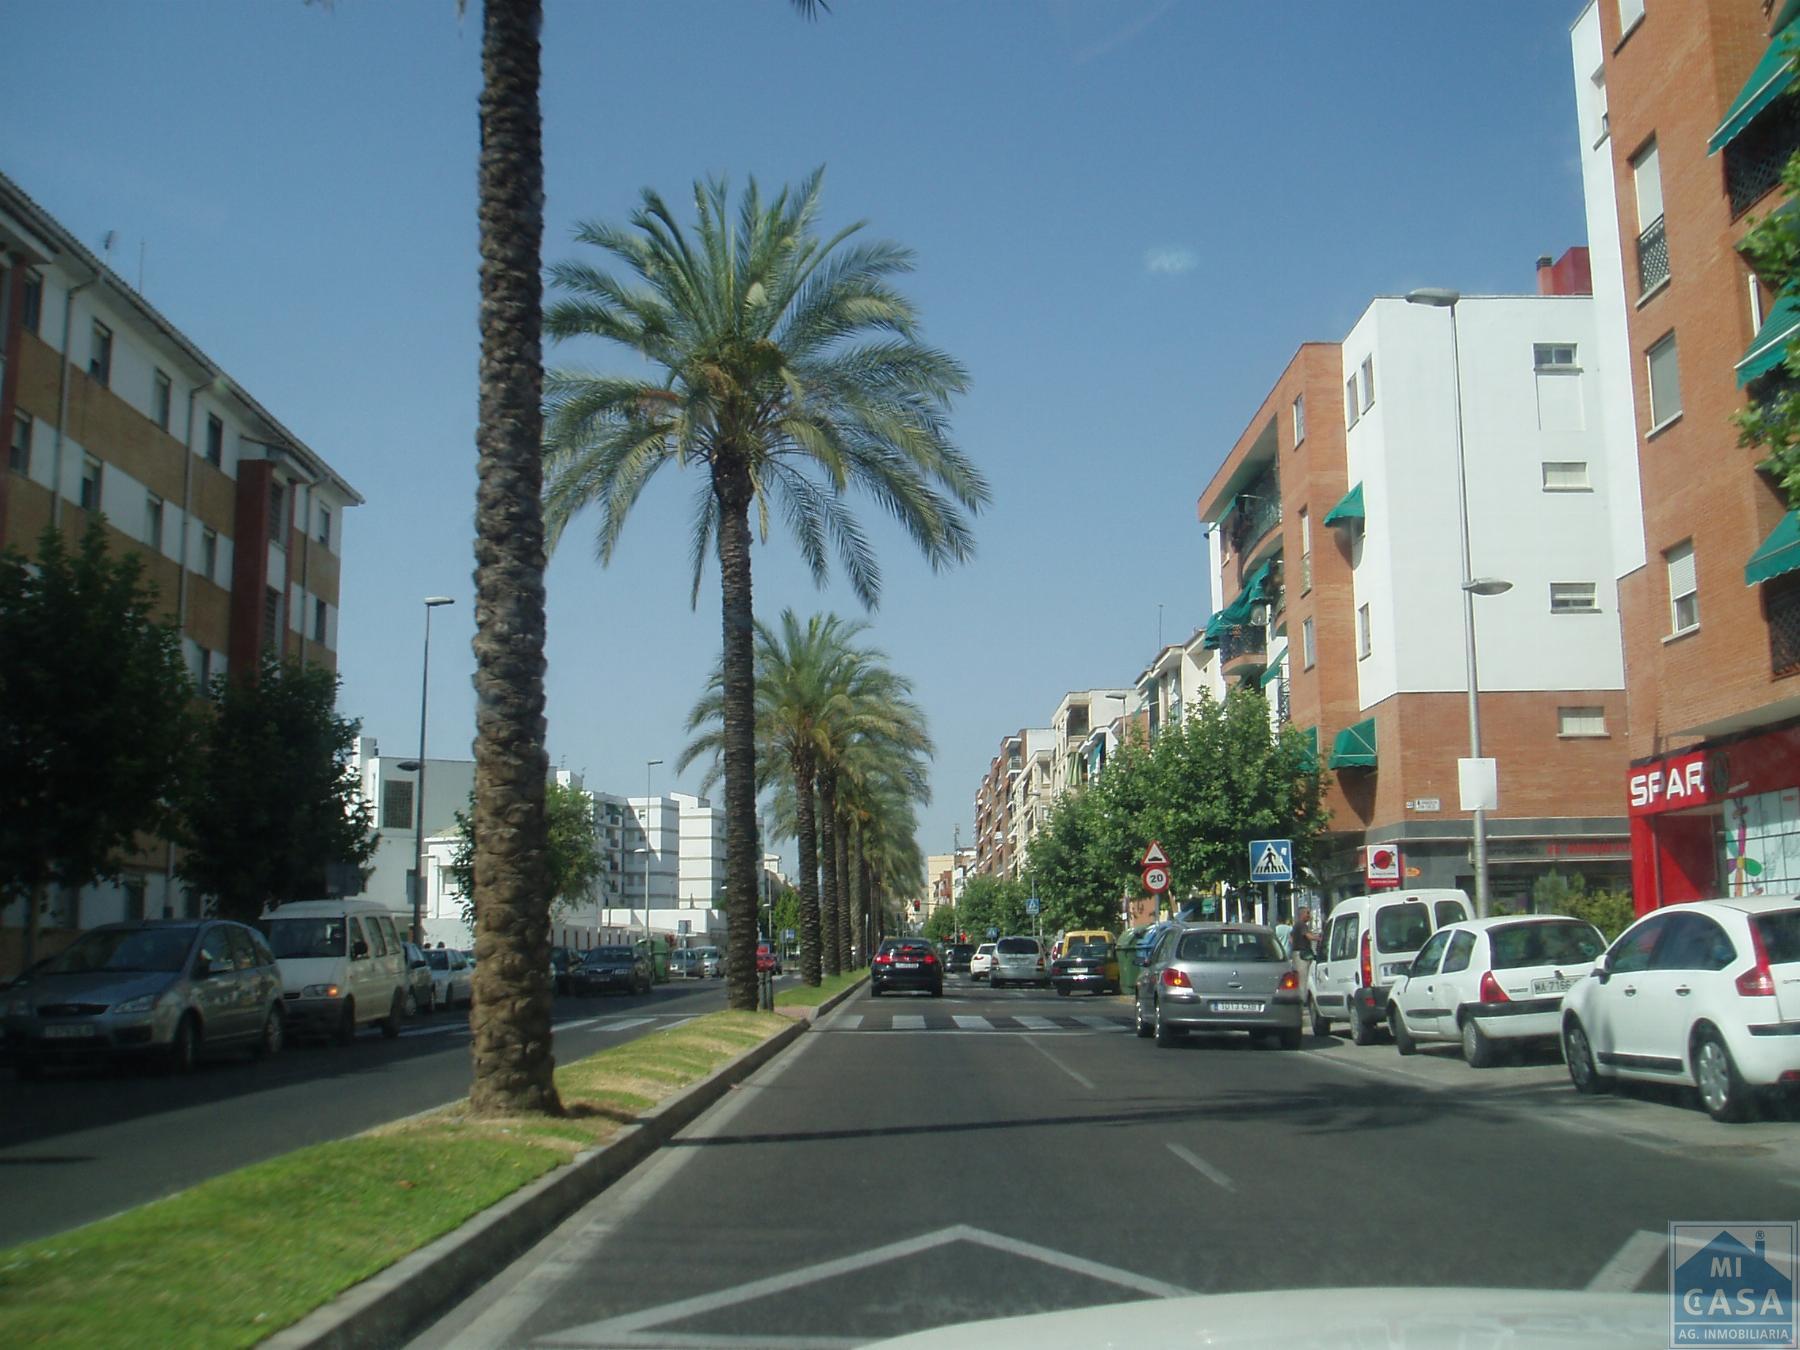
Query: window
<point>397,804</point>
<point>1368,383</point>
<point>1362,631</point>
<point>1462,946</point>
<point>34,301</point>
<point>1426,962</point>
<point>1299,418</point>
<point>1630,12</point>
<point>206,671</point>
<point>1652,242</point>
<point>1404,927</point>
<point>1343,939</point>
<point>1694,942</point>
<point>1305,551</point>
<point>18,458</point>
<point>1350,413</point>
<point>1602,121</point>
<point>1306,645</point>
<point>1573,597</point>
<point>1566,475</point>
<point>1553,355</point>
<point>90,483</point>
<point>153,521</point>
<point>209,554</point>
<point>271,629</point>
<point>1448,912</point>
<point>243,955</point>
<point>161,395</point>
<point>1684,588</point>
<point>278,521</point>
<point>325,525</point>
<point>1585,721</point>
<point>318,620</point>
<point>215,441</point>
<point>1665,383</point>
<point>100,354</point>
<point>215,948</point>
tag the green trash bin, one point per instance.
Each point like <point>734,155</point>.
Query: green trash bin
<point>1129,953</point>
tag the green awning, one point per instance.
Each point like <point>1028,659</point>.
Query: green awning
<point>1768,348</point>
<point>1351,508</point>
<point>1779,553</point>
<point>1237,613</point>
<point>1273,673</point>
<point>1310,761</point>
<point>1354,747</point>
<point>1772,75</point>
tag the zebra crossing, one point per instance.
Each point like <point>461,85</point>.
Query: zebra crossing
<point>976,1024</point>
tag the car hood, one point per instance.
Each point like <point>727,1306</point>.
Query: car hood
<point>299,971</point>
<point>97,986</point>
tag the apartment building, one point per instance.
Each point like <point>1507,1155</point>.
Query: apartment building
<point>1335,538</point>
<point>1077,714</point>
<point>1032,792</point>
<point>1686,117</point>
<point>993,809</point>
<point>110,409</point>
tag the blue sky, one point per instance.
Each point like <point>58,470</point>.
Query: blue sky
<point>1127,216</point>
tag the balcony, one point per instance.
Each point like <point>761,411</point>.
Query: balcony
<point>1653,257</point>
<point>1754,159</point>
<point>1782,598</point>
<point>1283,710</point>
<point>1255,512</point>
<point>1243,652</point>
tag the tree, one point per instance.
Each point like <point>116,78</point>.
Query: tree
<point>94,717</point>
<point>789,371</point>
<point>573,861</point>
<point>941,924</point>
<point>994,902</point>
<point>271,801</point>
<point>1772,418</point>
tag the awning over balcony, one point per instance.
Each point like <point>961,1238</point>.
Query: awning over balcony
<point>1237,613</point>
<point>1772,75</point>
<point>1348,510</point>
<point>1354,747</point>
<point>1769,347</point>
<point>1779,553</point>
<point>1273,673</point>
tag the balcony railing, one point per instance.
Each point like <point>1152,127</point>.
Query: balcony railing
<point>1238,642</point>
<point>1653,257</point>
<point>1754,160</point>
<point>1258,510</point>
<point>1782,597</point>
<point>1283,713</point>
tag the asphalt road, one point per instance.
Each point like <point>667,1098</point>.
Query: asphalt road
<point>923,1162</point>
<point>81,1145</point>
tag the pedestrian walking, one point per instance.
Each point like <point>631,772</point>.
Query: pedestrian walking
<point>1284,934</point>
<point>1304,940</point>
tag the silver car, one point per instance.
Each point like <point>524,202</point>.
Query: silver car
<point>1019,960</point>
<point>1218,977</point>
<point>169,989</point>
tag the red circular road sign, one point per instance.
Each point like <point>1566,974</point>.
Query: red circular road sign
<point>1156,880</point>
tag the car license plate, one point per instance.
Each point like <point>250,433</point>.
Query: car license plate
<point>906,965</point>
<point>1554,986</point>
<point>1230,1007</point>
<point>69,1033</point>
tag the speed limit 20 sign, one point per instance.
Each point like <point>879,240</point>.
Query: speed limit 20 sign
<point>1156,879</point>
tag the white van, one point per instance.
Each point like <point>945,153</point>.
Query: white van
<point>342,966</point>
<point>1370,941</point>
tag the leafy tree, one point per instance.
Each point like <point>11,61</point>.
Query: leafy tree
<point>941,925</point>
<point>1772,419</point>
<point>95,727</point>
<point>785,913</point>
<point>788,370</point>
<point>994,902</point>
<point>1612,912</point>
<point>573,860</point>
<point>271,801</point>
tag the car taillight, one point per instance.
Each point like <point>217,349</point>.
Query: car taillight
<point>884,958</point>
<point>1491,992</point>
<point>928,960</point>
<point>1368,963</point>
<point>1758,981</point>
<point>1175,979</point>
<point>1040,963</point>
<point>1288,980</point>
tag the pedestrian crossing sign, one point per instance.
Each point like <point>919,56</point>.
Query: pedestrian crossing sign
<point>1271,860</point>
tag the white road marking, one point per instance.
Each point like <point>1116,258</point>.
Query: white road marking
<point>849,1022</point>
<point>969,1022</point>
<point>1035,1023</point>
<point>1642,1253</point>
<point>909,1022</point>
<point>1059,1064</point>
<point>1203,1167</point>
<point>625,1023</point>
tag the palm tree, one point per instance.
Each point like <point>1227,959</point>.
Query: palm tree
<point>791,371</point>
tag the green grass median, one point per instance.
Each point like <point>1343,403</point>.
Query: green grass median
<point>237,1258</point>
<point>806,996</point>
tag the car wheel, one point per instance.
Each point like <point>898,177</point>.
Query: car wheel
<point>390,1025</point>
<point>1403,1039</point>
<point>431,1000</point>
<point>1166,1034</point>
<point>874,990</point>
<point>1723,1093</point>
<point>937,991</point>
<point>184,1049</point>
<point>274,1036</point>
<point>1140,1025</point>
<point>1477,1045</point>
<point>1290,1038</point>
<point>1063,992</point>
<point>1579,1056</point>
<point>1320,1027</point>
<point>1362,1032</point>
<point>346,1027</point>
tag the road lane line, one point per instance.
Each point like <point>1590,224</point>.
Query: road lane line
<point>1059,1064</point>
<point>908,1022</point>
<point>626,1023</point>
<point>1642,1253</point>
<point>1203,1167</point>
<point>1035,1023</point>
<point>969,1022</point>
<point>849,1022</point>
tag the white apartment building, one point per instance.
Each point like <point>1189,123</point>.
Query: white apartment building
<point>1076,716</point>
<point>393,792</point>
<point>1031,790</point>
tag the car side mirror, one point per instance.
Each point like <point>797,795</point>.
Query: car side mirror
<point>1600,970</point>
<point>203,968</point>
<point>359,951</point>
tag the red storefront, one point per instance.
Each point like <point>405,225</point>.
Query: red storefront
<point>1720,819</point>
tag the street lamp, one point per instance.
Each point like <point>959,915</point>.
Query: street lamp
<point>1472,585</point>
<point>418,896</point>
<point>648,766</point>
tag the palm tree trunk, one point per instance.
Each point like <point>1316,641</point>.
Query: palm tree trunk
<point>830,896</point>
<point>731,485</point>
<point>806,827</point>
<point>513,1062</point>
<point>843,890</point>
<point>867,889</point>
<point>855,905</point>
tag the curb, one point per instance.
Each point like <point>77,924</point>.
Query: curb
<point>396,1304</point>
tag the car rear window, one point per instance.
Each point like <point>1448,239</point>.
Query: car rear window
<point>1017,946</point>
<point>1780,933</point>
<point>1229,945</point>
<point>1089,947</point>
<point>1544,944</point>
<point>1402,928</point>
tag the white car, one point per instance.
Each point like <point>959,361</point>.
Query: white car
<point>1488,980</point>
<point>981,965</point>
<point>452,976</point>
<point>1705,993</point>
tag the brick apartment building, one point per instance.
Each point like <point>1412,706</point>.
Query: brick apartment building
<point>1686,120</point>
<point>993,809</point>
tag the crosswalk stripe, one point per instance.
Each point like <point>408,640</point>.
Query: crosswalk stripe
<point>1035,1023</point>
<point>908,1022</point>
<point>850,1023</point>
<point>968,1022</point>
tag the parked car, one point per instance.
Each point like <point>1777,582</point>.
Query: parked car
<point>1705,993</point>
<point>421,989</point>
<point>713,960</point>
<point>562,961</point>
<point>686,963</point>
<point>342,965</point>
<point>906,963</point>
<point>1369,942</point>
<point>1218,977</point>
<point>1486,980</point>
<point>957,956</point>
<point>171,989</point>
<point>981,964</point>
<point>605,969</point>
<point>452,976</point>
<point>768,958</point>
<point>1089,961</point>
<point>1019,960</point>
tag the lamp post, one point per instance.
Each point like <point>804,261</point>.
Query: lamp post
<point>648,766</point>
<point>418,880</point>
<point>1472,585</point>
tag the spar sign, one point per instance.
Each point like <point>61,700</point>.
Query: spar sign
<point>1671,784</point>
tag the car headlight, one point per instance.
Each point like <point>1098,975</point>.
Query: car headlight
<point>320,991</point>
<point>143,1003</point>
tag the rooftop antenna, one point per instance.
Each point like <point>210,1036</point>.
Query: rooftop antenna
<point>107,241</point>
